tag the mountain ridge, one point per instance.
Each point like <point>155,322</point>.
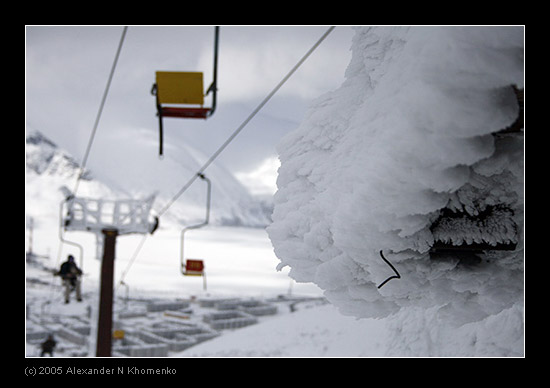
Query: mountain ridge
<point>48,168</point>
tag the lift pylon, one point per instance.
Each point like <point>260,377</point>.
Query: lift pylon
<point>108,219</point>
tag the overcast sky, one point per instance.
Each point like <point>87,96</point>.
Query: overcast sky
<point>67,70</point>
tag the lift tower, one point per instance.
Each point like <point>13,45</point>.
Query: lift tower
<point>108,219</point>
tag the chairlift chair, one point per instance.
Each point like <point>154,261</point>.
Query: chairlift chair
<point>179,94</point>
<point>195,267</point>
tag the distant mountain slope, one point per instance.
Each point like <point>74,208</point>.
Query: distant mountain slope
<point>44,157</point>
<point>134,175</point>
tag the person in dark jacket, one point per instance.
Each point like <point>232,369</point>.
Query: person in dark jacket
<point>47,346</point>
<point>70,273</point>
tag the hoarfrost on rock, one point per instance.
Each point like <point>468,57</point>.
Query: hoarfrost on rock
<point>407,136</point>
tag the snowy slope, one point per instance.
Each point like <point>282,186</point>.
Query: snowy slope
<point>312,332</point>
<point>134,174</point>
<point>48,168</point>
<point>406,138</point>
<point>324,332</point>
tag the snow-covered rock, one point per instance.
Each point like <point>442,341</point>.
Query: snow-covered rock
<point>44,157</point>
<point>407,137</point>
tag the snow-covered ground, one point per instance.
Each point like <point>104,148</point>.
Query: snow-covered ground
<point>319,331</point>
<point>240,263</point>
<point>322,331</point>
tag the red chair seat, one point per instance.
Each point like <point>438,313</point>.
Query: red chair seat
<point>193,113</point>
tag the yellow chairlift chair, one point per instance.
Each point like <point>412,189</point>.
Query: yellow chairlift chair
<point>175,91</point>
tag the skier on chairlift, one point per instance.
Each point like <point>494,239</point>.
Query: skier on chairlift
<point>70,273</point>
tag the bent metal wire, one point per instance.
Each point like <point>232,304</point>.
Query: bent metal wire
<point>396,276</point>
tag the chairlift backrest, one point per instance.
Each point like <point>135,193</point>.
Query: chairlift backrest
<point>194,267</point>
<point>180,87</point>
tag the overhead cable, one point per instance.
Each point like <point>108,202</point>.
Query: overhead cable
<point>100,111</point>
<point>244,123</point>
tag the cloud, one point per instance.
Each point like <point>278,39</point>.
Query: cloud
<point>253,60</point>
<point>67,69</point>
<point>262,180</point>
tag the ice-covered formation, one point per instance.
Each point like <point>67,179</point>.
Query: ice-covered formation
<point>408,137</point>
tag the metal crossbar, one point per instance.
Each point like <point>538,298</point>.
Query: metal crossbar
<point>94,215</point>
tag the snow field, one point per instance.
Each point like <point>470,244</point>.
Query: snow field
<point>238,261</point>
<point>313,332</point>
